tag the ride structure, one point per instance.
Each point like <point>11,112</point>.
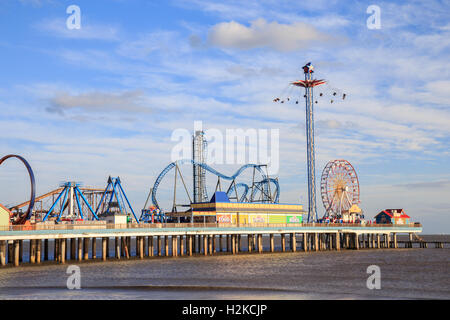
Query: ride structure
<point>339,187</point>
<point>199,149</point>
<point>70,194</point>
<point>309,83</point>
<point>23,218</point>
<point>114,200</point>
<point>266,190</point>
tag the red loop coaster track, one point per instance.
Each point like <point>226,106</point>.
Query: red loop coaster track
<point>21,219</point>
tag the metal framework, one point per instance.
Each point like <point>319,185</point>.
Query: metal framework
<point>21,219</point>
<point>199,149</point>
<point>339,187</point>
<point>70,192</point>
<point>260,191</point>
<point>43,202</point>
<point>114,191</point>
<point>309,83</point>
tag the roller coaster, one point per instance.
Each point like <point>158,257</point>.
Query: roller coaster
<point>267,190</point>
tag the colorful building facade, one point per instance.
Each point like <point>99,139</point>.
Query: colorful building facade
<point>221,210</point>
<point>394,216</point>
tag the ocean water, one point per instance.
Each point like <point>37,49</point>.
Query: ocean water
<point>405,274</point>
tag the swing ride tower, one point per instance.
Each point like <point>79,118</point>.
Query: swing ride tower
<point>309,83</point>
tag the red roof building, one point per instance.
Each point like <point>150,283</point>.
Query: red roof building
<point>394,216</point>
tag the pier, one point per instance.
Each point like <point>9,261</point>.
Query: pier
<point>72,242</point>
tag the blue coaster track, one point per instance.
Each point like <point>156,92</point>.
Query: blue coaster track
<point>258,185</point>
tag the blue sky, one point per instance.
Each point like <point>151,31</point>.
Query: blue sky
<point>105,99</point>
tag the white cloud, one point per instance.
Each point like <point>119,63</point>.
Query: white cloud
<point>105,102</point>
<point>263,34</point>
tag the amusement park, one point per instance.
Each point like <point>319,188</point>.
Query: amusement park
<point>256,200</point>
<point>247,198</point>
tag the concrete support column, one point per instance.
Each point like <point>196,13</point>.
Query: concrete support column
<point>305,242</point>
<point>395,241</point>
<point>283,242</point>
<point>210,244</point>
<point>388,240</point>
<point>56,250</point>
<point>104,248</point>
<point>94,248</point>
<point>137,245</point>
<point>150,246</point>
<point>38,250</point>
<point>293,243</point>
<point>176,246</point>
<point>214,244</point>
<point>158,246</point>
<point>205,245</point>
<point>118,248</point>
<point>228,242</point>
<point>190,244</point>
<point>63,251</point>
<point>356,241</point>
<point>181,246</point>
<point>32,251</point>
<point>249,243</point>
<point>79,249</point>
<point>16,253</point>
<point>316,242</point>
<point>141,247</point>
<point>166,244</point>
<point>272,248</point>
<point>330,241</point>
<point>337,242</point>
<point>233,244</point>
<point>3,252</point>
<point>128,245</point>
<point>260,243</point>
<point>86,249</point>
<point>123,248</point>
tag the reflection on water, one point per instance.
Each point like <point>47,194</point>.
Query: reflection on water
<point>405,273</point>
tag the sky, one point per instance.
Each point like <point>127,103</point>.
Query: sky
<point>106,99</point>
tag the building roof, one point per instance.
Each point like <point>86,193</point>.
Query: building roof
<point>390,213</point>
<point>4,209</point>
<point>220,196</point>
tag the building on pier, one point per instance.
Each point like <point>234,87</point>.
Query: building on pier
<point>394,216</point>
<point>221,210</point>
<point>5,215</point>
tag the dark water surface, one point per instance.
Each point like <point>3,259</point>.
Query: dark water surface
<point>405,274</point>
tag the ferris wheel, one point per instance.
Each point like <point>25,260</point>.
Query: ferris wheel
<point>339,187</point>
